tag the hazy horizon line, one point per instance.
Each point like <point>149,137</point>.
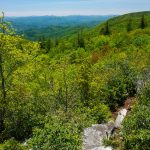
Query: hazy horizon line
<point>67,15</point>
<point>62,15</point>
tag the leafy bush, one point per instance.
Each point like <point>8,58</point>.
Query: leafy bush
<point>116,91</point>
<point>101,41</point>
<point>121,84</point>
<point>141,40</point>
<point>136,127</point>
<point>111,142</point>
<point>12,145</point>
<point>56,134</point>
<point>99,112</point>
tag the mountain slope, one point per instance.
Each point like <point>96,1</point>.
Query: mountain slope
<point>45,21</point>
<point>35,27</point>
<point>120,23</point>
<point>55,91</point>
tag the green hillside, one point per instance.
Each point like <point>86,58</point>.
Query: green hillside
<point>120,23</point>
<point>51,31</point>
<point>51,90</point>
<point>34,27</point>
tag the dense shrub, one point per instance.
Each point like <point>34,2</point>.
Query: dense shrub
<point>115,92</point>
<point>119,86</point>
<point>99,112</point>
<point>136,127</point>
<point>57,134</point>
<point>12,145</point>
<point>64,130</point>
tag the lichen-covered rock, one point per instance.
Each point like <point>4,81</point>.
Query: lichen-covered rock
<point>93,136</point>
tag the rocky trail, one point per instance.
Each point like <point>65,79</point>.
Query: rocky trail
<point>94,135</point>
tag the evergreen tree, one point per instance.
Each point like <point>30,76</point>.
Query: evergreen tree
<point>143,24</point>
<point>48,45</point>
<point>106,30</point>
<point>80,39</point>
<point>42,42</point>
<point>56,42</point>
<point>129,25</point>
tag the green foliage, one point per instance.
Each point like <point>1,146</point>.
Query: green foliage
<point>56,134</point>
<point>106,29</point>
<point>117,92</point>
<point>102,41</point>
<point>99,112</point>
<point>120,23</point>
<point>15,53</point>
<point>119,86</point>
<point>141,40</point>
<point>136,128</point>
<point>33,28</point>
<point>64,130</point>
<point>142,25</point>
<point>80,39</point>
<point>19,119</point>
<point>111,142</point>
<point>12,145</point>
<point>129,25</point>
<point>51,90</point>
<point>84,83</point>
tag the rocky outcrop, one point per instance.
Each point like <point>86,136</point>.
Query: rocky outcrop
<point>93,136</point>
<point>142,79</point>
<point>121,115</point>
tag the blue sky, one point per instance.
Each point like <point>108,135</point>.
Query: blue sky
<point>71,7</point>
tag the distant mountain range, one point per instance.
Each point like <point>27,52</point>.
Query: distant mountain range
<point>45,21</point>
<point>51,26</point>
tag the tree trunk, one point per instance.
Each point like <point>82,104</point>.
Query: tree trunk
<point>3,100</point>
<point>3,87</point>
<point>66,91</point>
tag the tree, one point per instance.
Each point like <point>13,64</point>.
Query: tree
<point>15,53</point>
<point>129,25</point>
<point>42,42</point>
<point>63,93</point>
<point>48,44</point>
<point>56,42</point>
<point>143,24</point>
<point>106,29</point>
<point>66,91</point>
<point>84,84</point>
<point>3,87</point>
<point>80,39</point>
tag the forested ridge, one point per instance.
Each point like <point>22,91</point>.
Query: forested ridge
<point>51,89</point>
<point>35,27</point>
